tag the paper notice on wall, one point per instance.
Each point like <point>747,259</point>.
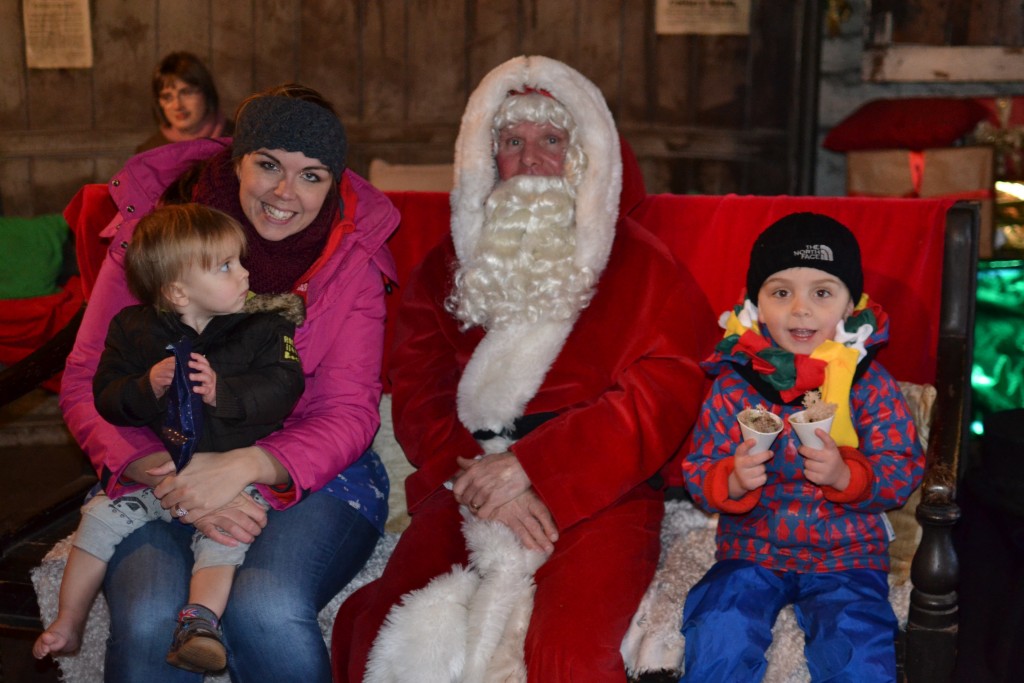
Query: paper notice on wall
<point>57,34</point>
<point>706,17</point>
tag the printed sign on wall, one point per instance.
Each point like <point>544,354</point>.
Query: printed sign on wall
<point>57,34</point>
<point>706,17</point>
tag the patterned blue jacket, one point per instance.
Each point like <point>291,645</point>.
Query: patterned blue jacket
<point>791,524</point>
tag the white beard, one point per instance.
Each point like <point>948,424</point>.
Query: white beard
<point>523,269</point>
<point>524,287</point>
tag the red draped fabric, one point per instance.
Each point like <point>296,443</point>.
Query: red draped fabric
<point>901,242</point>
<point>27,323</point>
<point>88,212</point>
<point>901,239</point>
<point>426,220</point>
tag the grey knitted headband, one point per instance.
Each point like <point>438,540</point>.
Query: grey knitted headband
<point>293,125</point>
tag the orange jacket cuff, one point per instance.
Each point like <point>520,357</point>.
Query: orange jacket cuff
<point>716,489</point>
<point>861,478</point>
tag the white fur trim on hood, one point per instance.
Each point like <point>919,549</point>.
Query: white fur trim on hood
<point>525,359</point>
<point>597,199</point>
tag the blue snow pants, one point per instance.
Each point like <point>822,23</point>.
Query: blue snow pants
<point>849,624</point>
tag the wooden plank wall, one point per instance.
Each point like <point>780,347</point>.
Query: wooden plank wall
<point>704,113</point>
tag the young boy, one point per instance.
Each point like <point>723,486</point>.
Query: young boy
<point>800,525</point>
<point>183,266</point>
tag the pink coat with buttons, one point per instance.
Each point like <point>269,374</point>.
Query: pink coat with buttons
<point>340,343</point>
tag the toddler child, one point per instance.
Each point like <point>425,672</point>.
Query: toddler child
<point>183,267</point>
<point>798,524</point>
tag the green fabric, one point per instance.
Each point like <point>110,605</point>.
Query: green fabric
<point>997,377</point>
<point>865,316</point>
<point>32,255</point>
<point>784,376</point>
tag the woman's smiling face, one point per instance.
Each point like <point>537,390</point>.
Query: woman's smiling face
<point>281,192</point>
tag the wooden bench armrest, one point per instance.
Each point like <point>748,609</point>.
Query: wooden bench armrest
<point>933,620</point>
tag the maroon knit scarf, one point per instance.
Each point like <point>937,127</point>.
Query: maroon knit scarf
<point>274,267</point>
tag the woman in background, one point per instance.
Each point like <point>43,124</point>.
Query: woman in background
<point>185,102</point>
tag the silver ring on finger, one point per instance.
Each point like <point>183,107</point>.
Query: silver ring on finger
<point>179,511</point>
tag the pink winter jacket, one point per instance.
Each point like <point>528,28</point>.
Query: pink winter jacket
<point>340,343</point>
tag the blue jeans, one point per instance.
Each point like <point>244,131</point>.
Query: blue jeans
<point>305,556</point>
<point>849,624</point>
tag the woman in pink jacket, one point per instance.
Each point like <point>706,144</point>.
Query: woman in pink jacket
<point>315,229</point>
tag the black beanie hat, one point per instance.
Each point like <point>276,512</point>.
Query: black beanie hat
<point>806,240</point>
<point>294,125</point>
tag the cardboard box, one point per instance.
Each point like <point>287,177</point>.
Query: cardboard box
<point>959,172</point>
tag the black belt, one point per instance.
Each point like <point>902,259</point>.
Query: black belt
<point>520,427</point>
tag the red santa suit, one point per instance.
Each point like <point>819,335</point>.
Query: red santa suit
<point>615,390</point>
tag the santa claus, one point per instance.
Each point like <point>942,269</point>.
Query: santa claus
<point>544,371</point>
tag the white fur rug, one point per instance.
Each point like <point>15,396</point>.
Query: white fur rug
<point>652,643</point>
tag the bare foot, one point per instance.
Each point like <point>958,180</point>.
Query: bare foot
<point>59,639</point>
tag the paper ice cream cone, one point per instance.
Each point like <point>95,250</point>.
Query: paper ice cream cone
<point>764,439</point>
<point>805,430</point>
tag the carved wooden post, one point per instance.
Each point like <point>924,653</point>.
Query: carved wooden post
<point>935,573</point>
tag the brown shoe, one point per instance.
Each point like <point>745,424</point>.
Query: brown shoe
<point>197,645</point>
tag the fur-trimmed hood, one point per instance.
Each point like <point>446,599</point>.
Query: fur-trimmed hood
<point>476,172</point>
<point>289,306</point>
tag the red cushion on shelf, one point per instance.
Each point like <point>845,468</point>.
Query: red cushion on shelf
<point>1014,112</point>
<point>910,123</point>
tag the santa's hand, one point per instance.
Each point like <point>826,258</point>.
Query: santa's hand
<point>490,482</point>
<point>529,518</point>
